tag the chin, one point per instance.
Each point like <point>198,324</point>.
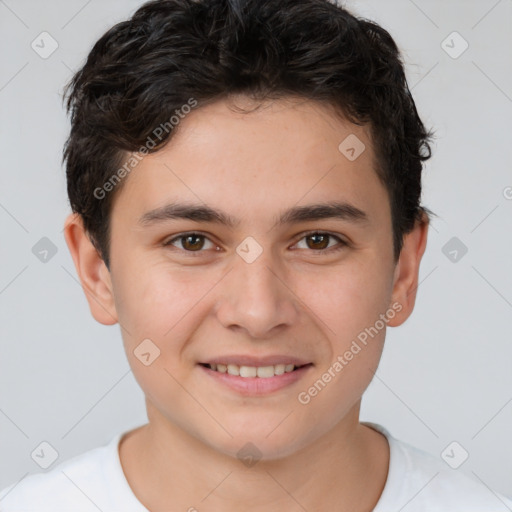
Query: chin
<point>261,444</point>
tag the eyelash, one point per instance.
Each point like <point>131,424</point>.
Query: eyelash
<point>341,243</point>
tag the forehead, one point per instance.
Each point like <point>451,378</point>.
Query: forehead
<point>281,153</point>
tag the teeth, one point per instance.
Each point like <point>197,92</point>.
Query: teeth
<point>263,372</point>
<point>248,371</point>
<point>233,369</point>
<point>279,369</point>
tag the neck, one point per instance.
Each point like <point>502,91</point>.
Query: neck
<point>344,470</point>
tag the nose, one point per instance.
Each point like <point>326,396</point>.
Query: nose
<point>257,299</point>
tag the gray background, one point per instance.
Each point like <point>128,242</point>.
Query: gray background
<point>446,375</point>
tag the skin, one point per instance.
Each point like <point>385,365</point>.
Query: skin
<point>291,300</point>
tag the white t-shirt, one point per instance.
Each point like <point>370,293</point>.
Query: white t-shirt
<point>94,481</point>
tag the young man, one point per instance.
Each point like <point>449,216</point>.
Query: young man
<point>245,179</point>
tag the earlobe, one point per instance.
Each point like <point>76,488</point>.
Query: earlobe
<point>92,271</point>
<point>406,275</point>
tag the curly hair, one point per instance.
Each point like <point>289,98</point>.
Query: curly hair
<point>144,69</point>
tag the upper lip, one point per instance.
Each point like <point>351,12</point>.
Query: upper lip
<point>247,360</point>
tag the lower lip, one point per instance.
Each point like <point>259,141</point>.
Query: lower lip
<point>257,385</point>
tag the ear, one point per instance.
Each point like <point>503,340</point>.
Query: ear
<point>92,271</point>
<point>405,281</point>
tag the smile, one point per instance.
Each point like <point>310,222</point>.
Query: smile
<point>263,372</point>
<point>255,380</point>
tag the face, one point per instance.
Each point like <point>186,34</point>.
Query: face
<point>282,283</point>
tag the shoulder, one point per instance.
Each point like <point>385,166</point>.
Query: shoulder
<point>418,481</point>
<point>434,482</point>
<point>76,484</point>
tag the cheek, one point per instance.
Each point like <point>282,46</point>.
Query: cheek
<point>346,300</point>
<point>156,309</point>
<point>161,304</point>
<point>342,379</point>
<point>350,305</point>
<point>348,309</point>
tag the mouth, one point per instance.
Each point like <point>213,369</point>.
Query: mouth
<point>262,372</point>
<point>258,380</point>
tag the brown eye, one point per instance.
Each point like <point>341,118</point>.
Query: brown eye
<point>319,241</point>
<point>192,242</point>
<point>189,242</point>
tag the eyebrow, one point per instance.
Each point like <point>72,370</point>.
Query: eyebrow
<point>199,213</point>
